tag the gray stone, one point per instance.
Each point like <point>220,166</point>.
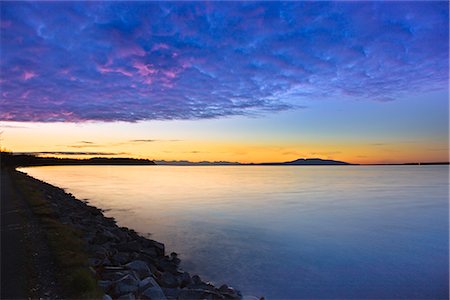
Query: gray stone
<point>113,276</point>
<point>129,296</point>
<point>106,297</point>
<point>111,236</point>
<point>132,246</point>
<point>140,267</point>
<point>146,283</point>
<point>198,294</point>
<point>184,279</point>
<point>171,293</point>
<point>150,252</point>
<point>196,279</point>
<point>100,238</point>
<point>94,262</point>
<point>121,258</point>
<point>165,265</point>
<point>168,280</point>
<point>126,284</point>
<point>153,293</point>
<point>158,246</point>
<point>105,284</point>
<point>229,292</point>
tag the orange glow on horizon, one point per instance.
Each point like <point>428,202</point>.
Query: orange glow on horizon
<point>123,140</point>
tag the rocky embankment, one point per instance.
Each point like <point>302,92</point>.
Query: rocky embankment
<point>127,265</point>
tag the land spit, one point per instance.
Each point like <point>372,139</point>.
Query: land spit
<point>125,264</point>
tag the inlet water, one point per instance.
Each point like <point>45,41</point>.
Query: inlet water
<point>285,231</point>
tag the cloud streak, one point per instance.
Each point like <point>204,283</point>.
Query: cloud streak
<point>72,153</point>
<point>123,61</point>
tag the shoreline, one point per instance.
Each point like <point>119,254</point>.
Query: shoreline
<point>125,264</point>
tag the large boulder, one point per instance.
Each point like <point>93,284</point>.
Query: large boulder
<point>197,294</point>
<point>121,258</point>
<point>140,267</point>
<point>129,296</point>
<point>168,280</point>
<point>132,246</point>
<point>153,293</point>
<point>126,284</point>
<point>184,279</point>
<point>146,283</point>
<point>159,247</point>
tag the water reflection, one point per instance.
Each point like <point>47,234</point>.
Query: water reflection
<point>286,232</point>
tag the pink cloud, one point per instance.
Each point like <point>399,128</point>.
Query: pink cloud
<point>5,24</point>
<point>25,94</point>
<point>144,69</point>
<point>160,46</point>
<point>104,69</point>
<point>170,74</point>
<point>130,50</point>
<point>28,75</point>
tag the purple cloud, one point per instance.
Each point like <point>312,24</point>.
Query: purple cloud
<point>132,61</point>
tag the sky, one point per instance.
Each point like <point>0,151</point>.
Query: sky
<point>363,82</point>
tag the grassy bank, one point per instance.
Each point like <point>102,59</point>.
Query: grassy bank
<point>65,242</point>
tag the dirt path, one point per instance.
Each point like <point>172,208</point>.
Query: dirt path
<point>14,284</point>
<point>27,267</point>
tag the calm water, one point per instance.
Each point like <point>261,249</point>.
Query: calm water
<point>285,232</point>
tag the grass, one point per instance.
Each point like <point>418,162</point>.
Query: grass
<point>64,241</point>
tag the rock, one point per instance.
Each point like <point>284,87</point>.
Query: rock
<point>123,236</point>
<point>165,265</point>
<point>110,236</point>
<point>114,268</point>
<point>223,288</point>
<point>196,279</point>
<point>168,280</point>
<point>113,276</point>
<point>99,251</point>
<point>105,284</point>
<point>121,258</point>
<point>94,262</point>
<point>201,286</point>
<point>129,296</point>
<point>251,298</point>
<point>132,246</point>
<point>126,284</point>
<point>198,294</point>
<point>106,262</point>
<point>153,293</point>
<point>100,238</point>
<point>150,252</point>
<point>140,267</point>
<point>174,258</point>
<point>146,283</point>
<point>158,246</point>
<point>106,297</point>
<point>229,292</point>
<point>171,293</point>
<point>184,279</point>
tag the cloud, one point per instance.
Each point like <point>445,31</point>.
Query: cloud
<point>133,61</point>
<point>12,126</point>
<point>151,141</point>
<point>72,153</point>
<point>143,141</point>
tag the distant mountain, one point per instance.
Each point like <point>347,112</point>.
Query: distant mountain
<point>16,160</point>
<point>200,163</point>
<point>311,162</point>
<point>297,162</point>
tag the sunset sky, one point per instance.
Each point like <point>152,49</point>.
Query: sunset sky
<point>363,82</point>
